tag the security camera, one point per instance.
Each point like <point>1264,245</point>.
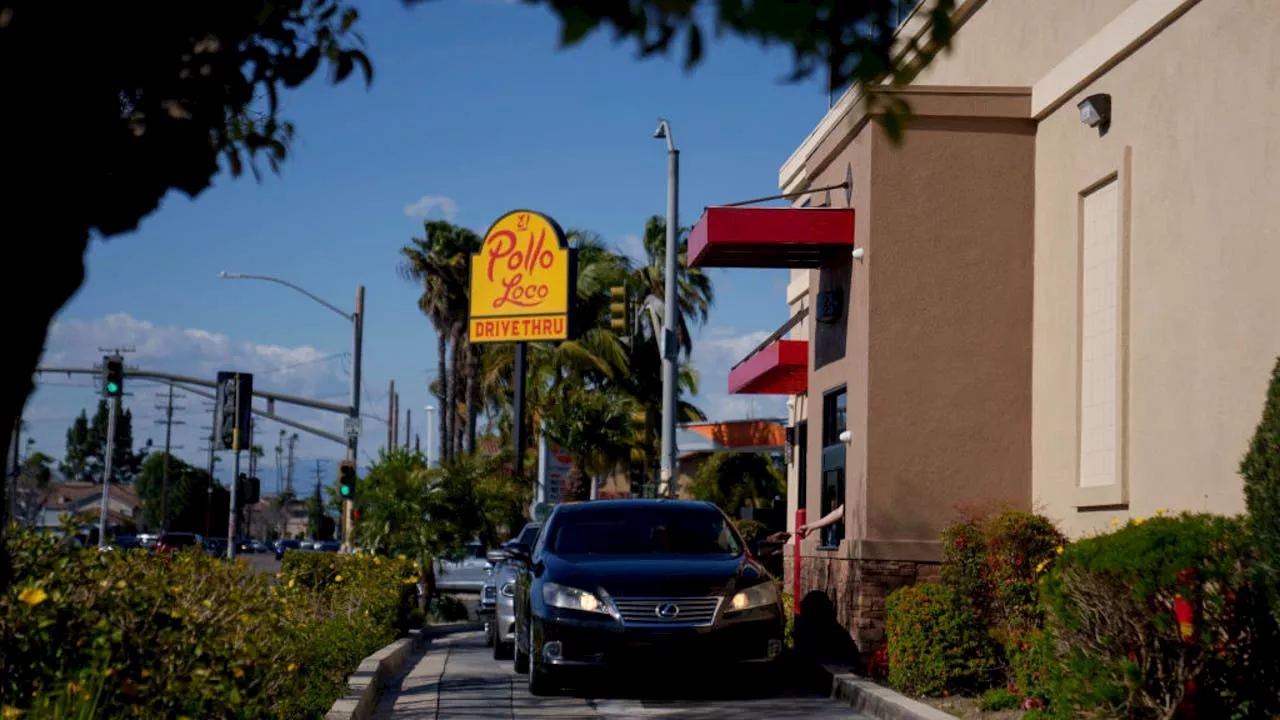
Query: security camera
<point>859,253</point>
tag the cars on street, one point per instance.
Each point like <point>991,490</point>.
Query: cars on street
<point>466,574</point>
<point>500,626</point>
<point>284,546</point>
<point>174,541</point>
<point>640,582</point>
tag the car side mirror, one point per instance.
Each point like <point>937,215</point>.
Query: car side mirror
<point>518,552</point>
<point>496,556</point>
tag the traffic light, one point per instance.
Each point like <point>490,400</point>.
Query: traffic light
<point>234,410</point>
<point>347,479</point>
<point>249,491</point>
<point>618,309</point>
<point>113,376</point>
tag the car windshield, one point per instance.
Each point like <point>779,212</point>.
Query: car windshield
<point>670,530</point>
<point>529,535</point>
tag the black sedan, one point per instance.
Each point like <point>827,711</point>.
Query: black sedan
<point>641,583</point>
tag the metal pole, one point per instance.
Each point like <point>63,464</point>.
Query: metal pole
<point>208,498</point>
<point>517,430</point>
<point>164,478</point>
<point>429,410</point>
<point>235,478</point>
<point>112,410</point>
<point>353,439</point>
<point>669,344</point>
<point>11,500</point>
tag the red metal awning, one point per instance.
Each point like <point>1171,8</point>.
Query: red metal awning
<point>770,237</point>
<point>780,368</point>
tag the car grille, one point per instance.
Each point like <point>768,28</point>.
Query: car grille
<point>659,611</point>
<point>490,592</point>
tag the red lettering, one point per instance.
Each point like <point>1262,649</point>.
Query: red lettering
<point>557,325</point>
<point>515,267</point>
<point>515,329</point>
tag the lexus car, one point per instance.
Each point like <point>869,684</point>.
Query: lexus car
<point>644,582</point>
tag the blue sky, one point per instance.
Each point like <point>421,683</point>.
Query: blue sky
<point>471,101</point>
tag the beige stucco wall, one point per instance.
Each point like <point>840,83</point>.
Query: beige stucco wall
<point>1015,42</point>
<point>1198,106</point>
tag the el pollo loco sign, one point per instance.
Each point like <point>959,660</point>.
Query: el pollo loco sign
<point>522,281</point>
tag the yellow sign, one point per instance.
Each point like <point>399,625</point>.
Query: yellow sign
<point>522,281</point>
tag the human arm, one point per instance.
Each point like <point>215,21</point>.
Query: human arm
<point>828,519</point>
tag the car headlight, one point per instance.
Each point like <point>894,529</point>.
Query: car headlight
<point>568,598</point>
<point>508,590</point>
<point>753,597</point>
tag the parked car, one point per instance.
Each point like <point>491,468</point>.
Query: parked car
<point>652,582</point>
<point>332,546</point>
<point>284,546</point>
<point>496,598</point>
<point>466,574</point>
<point>172,541</point>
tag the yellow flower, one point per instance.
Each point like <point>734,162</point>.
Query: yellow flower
<point>1138,521</point>
<point>292,667</point>
<point>33,596</point>
<point>108,672</point>
<point>73,687</point>
<point>290,582</point>
<point>1160,512</point>
<point>146,673</point>
<point>1043,564</point>
<point>237,672</point>
<point>10,713</point>
<point>377,560</point>
<point>1059,549</point>
<point>279,575</point>
<point>412,579</point>
<point>1115,521</point>
<point>404,557</point>
<point>337,578</point>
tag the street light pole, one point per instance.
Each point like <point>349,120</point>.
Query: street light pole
<point>357,357</point>
<point>669,344</point>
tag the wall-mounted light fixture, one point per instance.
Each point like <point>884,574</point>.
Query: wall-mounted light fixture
<point>859,253</point>
<point>846,437</point>
<point>1095,111</point>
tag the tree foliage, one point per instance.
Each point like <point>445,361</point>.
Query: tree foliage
<point>1261,471</point>
<point>737,480</point>
<point>189,501</point>
<point>87,447</point>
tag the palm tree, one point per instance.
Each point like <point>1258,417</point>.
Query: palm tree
<point>596,426</point>
<point>737,480</point>
<point>694,295</point>
<point>439,261</point>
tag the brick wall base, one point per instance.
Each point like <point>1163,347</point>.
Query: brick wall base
<point>842,611</point>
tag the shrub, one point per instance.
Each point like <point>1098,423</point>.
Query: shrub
<point>1030,658</point>
<point>1261,470</point>
<point>997,699</point>
<point>994,562</point>
<point>1114,604</point>
<point>130,634</point>
<point>447,608</point>
<point>751,530</point>
<point>937,644</point>
<point>1019,547</point>
<point>964,564</point>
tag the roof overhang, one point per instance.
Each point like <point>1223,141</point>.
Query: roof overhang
<point>770,237</point>
<point>780,368</point>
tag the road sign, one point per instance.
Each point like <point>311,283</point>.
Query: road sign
<point>523,281</point>
<point>351,426</point>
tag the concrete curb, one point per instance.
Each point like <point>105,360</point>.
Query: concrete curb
<point>873,699</point>
<point>375,671</point>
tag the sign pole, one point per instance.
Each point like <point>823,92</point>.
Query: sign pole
<point>232,511</point>
<point>517,432</point>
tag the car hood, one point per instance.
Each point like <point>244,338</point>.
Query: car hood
<point>654,575</point>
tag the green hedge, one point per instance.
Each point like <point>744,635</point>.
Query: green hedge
<point>1113,609</point>
<point>85,633</point>
<point>937,644</point>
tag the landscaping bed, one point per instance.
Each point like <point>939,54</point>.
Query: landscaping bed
<point>131,634</point>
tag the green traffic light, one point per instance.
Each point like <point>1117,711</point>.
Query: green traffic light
<point>346,489</point>
<point>112,387</point>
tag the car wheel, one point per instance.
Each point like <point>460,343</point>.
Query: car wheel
<point>489,637</point>
<point>542,679</point>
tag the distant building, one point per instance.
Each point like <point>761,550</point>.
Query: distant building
<point>85,499</point>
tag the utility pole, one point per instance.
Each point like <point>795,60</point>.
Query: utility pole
<point>208,498</point>
<point>429,410</point>
<point>292,466</point>
<point>408,425</point>
<point>391,413</point>
<point>669,345</point>
<point>168,423</point>
<point>233,515</point>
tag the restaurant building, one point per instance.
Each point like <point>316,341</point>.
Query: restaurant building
<point>1060,292</point>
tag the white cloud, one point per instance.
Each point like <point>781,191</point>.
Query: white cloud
<point>714,354</point>
<point>423,206</point>
<point>632,246</point>
<point>303,371</point>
